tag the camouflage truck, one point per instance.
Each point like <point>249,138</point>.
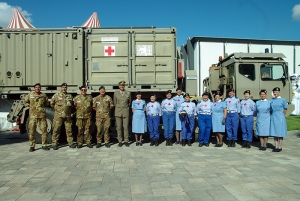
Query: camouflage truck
<point>145,58</point>
<point>250,71</point>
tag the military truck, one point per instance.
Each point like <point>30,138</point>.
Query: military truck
<point>145,58</point>
<point>250,71</point>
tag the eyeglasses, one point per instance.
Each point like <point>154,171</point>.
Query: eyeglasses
<point>83,90</point>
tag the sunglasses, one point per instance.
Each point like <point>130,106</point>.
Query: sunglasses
<point>83,90</point>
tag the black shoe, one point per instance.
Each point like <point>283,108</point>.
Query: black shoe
<point>279,150</point>
<point>55,147</point>
<point>244,145</point>
<point>72,146</point>
<point>31,149</point>
<point>248,146</point>
<point>200,144</point>
<point>89,145</point>
<point>220,145</point>
<point>264,148</point>
<point>141,144</point>
<point>261,148</point>
<point>107,145</point>
<point>177,142</point>
<point>152,142</point>
<point>167,141</point>
<point>183,143</point>
<point>137,143</point>
<point>206,144</point>
<point>216,145</point>
<point>275,150</point>
<point>233,143</point>
<point>229,143</point>
<point>189,143</point>
<point>170,142</point>
<point>156,142</point>
<point>79,146</point>
<point>98,145</point>
<point>126,144</point>
<point>120,144</point>
<point>46,148</point>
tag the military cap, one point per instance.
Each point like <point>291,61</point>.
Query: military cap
<point>64,84</point>
<point>138,93</point>
<point>178,89</point>
<point>247,92</point>
<point>230,90</point>
<point>101,87</point>
<point>37,84</point>
<point>185,95</point>
<point>82,87</point>
<point>122,83</point>
<point>263,91</point>
<point>276,89</point>
<point>153,95</point>
<point>205,94</point>
<point>218,93</point>
<point>168,92</point>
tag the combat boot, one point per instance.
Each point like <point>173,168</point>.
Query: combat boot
<point>152,142</point>
<point>170,142</point>
<point>244,145</point>
<point>55,147</point>
<point>229,143</point>
<point>79,146</point>
<point>120,144</point>
<point>248,146</point>
<point>46,148</point>
<point>107,145</point>
<point>156,142</point>
<point>89,145</point>
<point>31,149</point>
<point>233,143</point>
<point>98,145</point>
<point>126,144</point>
<point>189,143</point>
<point>167,141</point>
<point>183,143</point>
<point>72,146</point>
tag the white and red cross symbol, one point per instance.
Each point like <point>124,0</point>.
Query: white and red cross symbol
<point>109,51</point>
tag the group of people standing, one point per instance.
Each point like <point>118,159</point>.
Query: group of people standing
<point>178,115</point>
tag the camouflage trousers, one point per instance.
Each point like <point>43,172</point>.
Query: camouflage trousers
<point>122,122</point>
<point>83,128</point>
<point>57,123</point>
<point>103,123</point>
<point>33,123</point>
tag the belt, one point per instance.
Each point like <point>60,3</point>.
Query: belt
<point>153,114</point>
<point>190,115</point>
<point>231,111</point>
<point>206,113</point>
<point>169,111</point>
<point>244,116</point>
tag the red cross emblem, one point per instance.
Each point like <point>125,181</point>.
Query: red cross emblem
<point>187,106</point>
<point>229,101</point>
<point>138,103</point>
<point>178,100</point>
<point>152,106</point>
<point>169,104</point>
<point>205,105</point>
<point>109,50</point>
<point>245,104</point>
<point>215,104</point>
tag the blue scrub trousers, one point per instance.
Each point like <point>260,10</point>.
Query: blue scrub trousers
<point>187,128</point>
<point>153,124</point>
<point>204,123</point>
<point>232,124</point>
<point>169,124</point>
<point>247,127</point>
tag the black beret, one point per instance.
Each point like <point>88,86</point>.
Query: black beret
<point>263,91</point>
<point>218,93</point>
<point>247,91</point>
<point>168,92</point>
<point>230,90</point>
<point>37,84</point>
<point>185,95</point>
<point>205,94</point>
<point>82,87</point>
<point>276,89</point>
<point>178,89</point>
<point>64,84</point>
<point>153,95</point>
<point>101,87</point>
<point>138,93</point>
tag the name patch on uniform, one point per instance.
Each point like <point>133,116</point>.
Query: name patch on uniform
<point>31,96</point>
<point>59,98</point>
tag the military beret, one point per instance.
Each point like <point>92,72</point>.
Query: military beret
<point>153,95</point>
<point>64,84</point>
<point>101,87</point>
<point>138,93</point>
<point>230,90</point>
<point>205,94</point>
<point>122,83</point>
<point>263,91</point>
<point>247,92</point>
<point>37,84</point>
<point>185,95</point>
<point>168,92</point>
<point>276,89</point>
<point>82,87</point>
<point>218,93</point>
<point>178,89</point>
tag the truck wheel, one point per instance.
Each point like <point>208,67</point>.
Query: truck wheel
<point>38,132</point>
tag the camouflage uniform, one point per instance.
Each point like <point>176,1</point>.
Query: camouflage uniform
<point>62,114</point>
<point>122,101</point>
<point>102,105</point>
<point>83,106</point>
<point>37,116</point>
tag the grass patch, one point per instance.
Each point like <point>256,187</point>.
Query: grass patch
<point>293,123</point>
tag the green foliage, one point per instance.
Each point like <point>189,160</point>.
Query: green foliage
<point>293,123</point>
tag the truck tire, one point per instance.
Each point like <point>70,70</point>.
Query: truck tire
<point>38,132</point>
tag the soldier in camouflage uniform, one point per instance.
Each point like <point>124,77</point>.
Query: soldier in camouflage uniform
<point>37,103</point>
<point>102,104</point>
<point>83,104</point>
<point>62,104</point>
<point>122,101</point>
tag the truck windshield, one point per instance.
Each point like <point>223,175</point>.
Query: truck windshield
<point>271,71</point>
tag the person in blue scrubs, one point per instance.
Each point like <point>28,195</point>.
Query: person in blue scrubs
<point>178,99</point>
<point>204,119</point>
<point>232,120</point>
<point>219,113</point>
<point>153,111</point>
<point>187,112</point>
<point>138,119</point>
<point>168,107</point>
<point>246,118</point>
<point>263,109</point>
<point>278,127</point>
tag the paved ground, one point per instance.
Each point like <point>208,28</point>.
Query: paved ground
<point>148,173</point>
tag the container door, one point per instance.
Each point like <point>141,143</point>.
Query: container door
<point>12,66</point>
<point>38,58</point>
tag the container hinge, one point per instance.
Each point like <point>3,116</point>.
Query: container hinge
<point>140,65</point>
<point>160,64</point>
<point>119,65</point>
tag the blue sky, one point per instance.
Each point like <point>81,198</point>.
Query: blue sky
<point>267,19</point>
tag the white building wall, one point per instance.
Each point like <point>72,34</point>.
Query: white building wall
<point>255,48</point>
<point>235,47</point>
<point>297,59</point>
<point>288,51</point>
